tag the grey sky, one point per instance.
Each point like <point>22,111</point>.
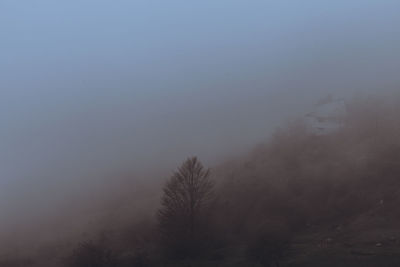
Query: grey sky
<point>93,86</point>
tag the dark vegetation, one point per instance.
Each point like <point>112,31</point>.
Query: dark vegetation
<point>92,254</point>
<point>302,199</point>
<point>183,214</point>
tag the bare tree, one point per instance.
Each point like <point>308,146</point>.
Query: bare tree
<point>182,216</point>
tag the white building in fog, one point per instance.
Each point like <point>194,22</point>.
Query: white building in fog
<point>328,115</point>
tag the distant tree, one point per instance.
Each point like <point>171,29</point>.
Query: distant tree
<point>184,204</point>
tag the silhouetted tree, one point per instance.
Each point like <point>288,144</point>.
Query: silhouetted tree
<point>184,205</point>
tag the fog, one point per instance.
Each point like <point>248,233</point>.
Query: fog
<point>101,97</point>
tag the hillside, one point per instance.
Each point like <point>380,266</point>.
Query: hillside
<point>333,196</point>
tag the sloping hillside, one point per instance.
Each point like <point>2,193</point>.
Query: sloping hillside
<point>334,196</point>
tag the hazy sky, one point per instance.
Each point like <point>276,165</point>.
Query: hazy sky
<point>96,86</point>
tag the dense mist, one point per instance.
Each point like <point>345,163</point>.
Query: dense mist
<point>101,101</point>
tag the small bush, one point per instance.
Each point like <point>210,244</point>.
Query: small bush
<point>266,250</point>
<point>90,254</point>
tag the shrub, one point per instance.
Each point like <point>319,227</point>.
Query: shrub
<point>90,254</point>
